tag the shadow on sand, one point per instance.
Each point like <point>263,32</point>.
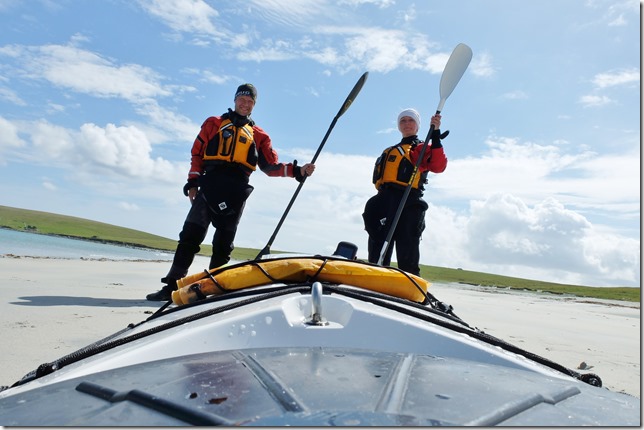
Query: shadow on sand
<point>84,301</point>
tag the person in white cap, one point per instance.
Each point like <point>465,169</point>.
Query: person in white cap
<point>226,151</point>
<point>391,176</point>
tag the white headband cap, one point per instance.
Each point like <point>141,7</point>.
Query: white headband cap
<point>412,113</point>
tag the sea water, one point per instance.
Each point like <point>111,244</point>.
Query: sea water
<point>24,244</point>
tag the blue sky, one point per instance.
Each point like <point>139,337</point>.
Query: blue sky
<point>100,102</point>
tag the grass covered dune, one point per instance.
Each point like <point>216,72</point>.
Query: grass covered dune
<point>61,225</point>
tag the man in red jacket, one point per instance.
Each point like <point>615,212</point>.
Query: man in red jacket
<point>391,175</point>
<point>226,151</point>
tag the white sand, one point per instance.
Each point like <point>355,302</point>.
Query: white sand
<point>52,307</point>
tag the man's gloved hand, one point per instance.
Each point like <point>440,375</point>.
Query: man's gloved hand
<point>192,183</point>
<point>301,172</point>
<point>297,173</point>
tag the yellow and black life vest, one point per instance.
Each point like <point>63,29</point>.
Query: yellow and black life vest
<point>234,144</point>
<point>394,166</point>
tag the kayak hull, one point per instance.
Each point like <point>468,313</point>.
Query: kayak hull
<point>311,352</point>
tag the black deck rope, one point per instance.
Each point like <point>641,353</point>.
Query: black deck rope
<point>201,295</point>
<point>264,272</point>
<point>195,289</point>
<point>315,276</point>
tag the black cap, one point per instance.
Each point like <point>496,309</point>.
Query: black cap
<point>247,90</point>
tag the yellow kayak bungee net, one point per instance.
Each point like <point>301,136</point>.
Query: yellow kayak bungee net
<point>384,280</point>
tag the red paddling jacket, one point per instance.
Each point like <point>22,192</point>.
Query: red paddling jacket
<point>231,138</point>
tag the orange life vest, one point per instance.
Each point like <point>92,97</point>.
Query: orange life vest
<point>232,144</point>
<point>394,166</point>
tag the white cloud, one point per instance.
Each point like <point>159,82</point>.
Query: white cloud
<point>51,144</point>
<point>208,76</point>
<point>120,153</point>
<point>55,108</point>
<point>615,257</point>
<point>129,207</point>
<point>86,72</point>
<point>9,135</point>
<point>125,149</point>
<point>573,175</point>
<point>618,22</point>
<point>594,101</point>
<point>166,124</point>
<point>11,96</point>
<point>190,16</point>
<point>49,186</point>
<point>290,14</point>
<point>373,48</point>
<point>382,4</point>
<point>515,233</point>
<point>504,235</point>
<point>617,11</point>
<point>270,50</point>
<point>515,95</point>
<point>379,50</point>
<point>615,78</point>
<point>482,65</point>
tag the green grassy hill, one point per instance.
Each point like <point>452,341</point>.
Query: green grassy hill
<point>61,225</point>
<point>68,226</point>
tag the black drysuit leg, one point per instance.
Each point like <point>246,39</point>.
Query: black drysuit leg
<point>407,238</point>
<point>376,214</point>
<point>222,241</point>
<point>192,235</point>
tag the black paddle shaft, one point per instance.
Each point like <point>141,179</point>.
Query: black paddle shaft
<point>350,98</point>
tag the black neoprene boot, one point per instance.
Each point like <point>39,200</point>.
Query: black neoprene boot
<point>165,293</point>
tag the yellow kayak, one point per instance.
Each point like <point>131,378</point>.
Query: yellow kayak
<point>384,280</point>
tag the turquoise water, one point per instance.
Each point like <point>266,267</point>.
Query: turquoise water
<point>39,245</point>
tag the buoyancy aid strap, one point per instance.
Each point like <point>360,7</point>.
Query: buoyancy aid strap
<point>315,276</point>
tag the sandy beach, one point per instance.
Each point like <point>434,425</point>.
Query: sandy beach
<point>52,307</point>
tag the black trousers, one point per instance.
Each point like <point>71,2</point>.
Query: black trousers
<point>378,216</point>
<point>219,202</point>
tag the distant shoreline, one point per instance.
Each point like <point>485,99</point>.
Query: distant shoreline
<point>115,260</point>
<point>94,239</point>
<point>431,273</point>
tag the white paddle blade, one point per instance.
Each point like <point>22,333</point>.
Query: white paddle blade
<point>454,70</point>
